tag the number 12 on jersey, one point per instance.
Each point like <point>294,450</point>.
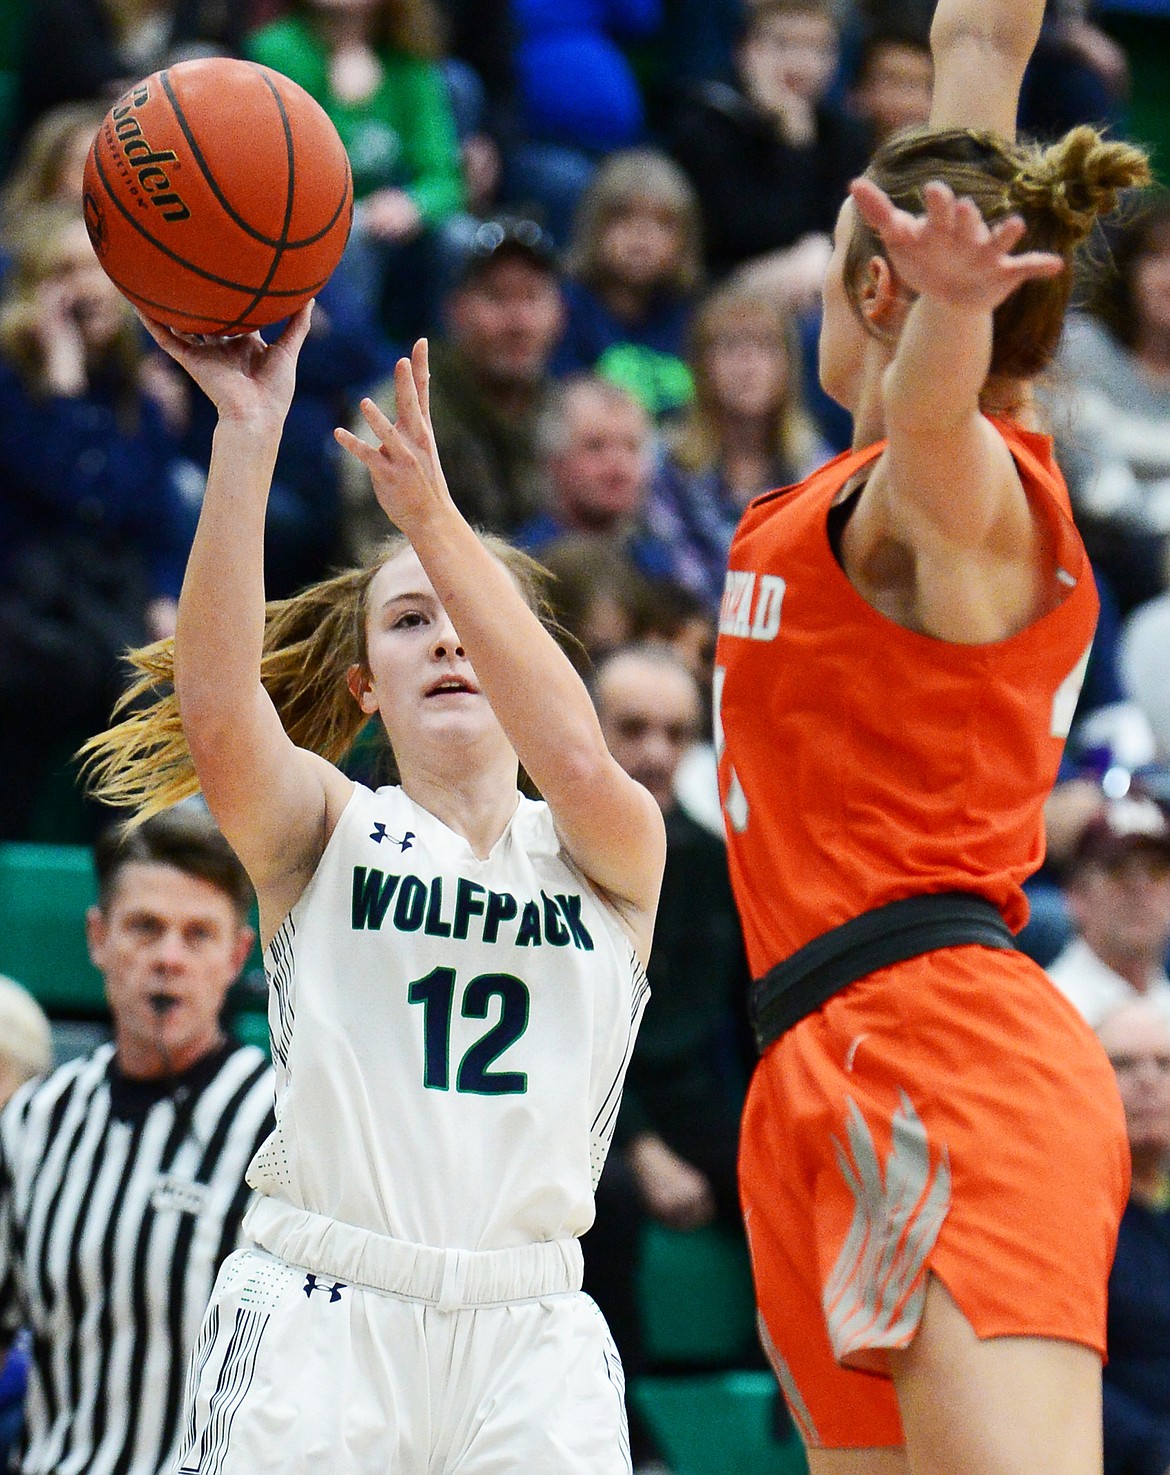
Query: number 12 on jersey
<point>436,993</point>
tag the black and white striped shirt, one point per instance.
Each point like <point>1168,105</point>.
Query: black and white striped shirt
<point>119,1200</point>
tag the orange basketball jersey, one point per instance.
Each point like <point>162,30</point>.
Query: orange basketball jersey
<point>861,762</point>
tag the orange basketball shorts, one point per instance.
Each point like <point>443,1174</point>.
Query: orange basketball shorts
<point>951,1114</point>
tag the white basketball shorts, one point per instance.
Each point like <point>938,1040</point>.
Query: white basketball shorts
<point>297,1372</point>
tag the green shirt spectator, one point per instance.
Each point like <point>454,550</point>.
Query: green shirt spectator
<point>399,135</point>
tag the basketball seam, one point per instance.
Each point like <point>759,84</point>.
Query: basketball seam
<point>220,323</point>
<point>191,266</point>
<point>279,245</point>
<point>225,204</point>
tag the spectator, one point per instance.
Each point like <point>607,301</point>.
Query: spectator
<point>746,432</point>
<point>680,1111</point>
<point>122,1174</point>
<point>375,70</point>
<point>634,266</point>
<point>1119,895</point>
<point>771,159</point>
<point>1111,404</point>
<point>678,1129</point>
<point>81,50</point>
<point>1136,1386</point>
<point>25,1052</point>
<point>697,41</point>
<point>892,81</point>
<point>96,505</point>
<point>578,97</point>
<point>490,381</point>
<point>48,168</point>
<point>599,597</point>
<point>26,1049</point>
<point>481,79</point>
<point>1078,74</point>
<point>1145,664</point>
<point>595,440</point>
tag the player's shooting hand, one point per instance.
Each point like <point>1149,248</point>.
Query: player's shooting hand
<point>404,466</point>
<point>246,379</point>
<point>950,252</point>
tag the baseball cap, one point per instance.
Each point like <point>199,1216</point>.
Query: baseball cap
<point>506,235</point>
<point>1123,826</point>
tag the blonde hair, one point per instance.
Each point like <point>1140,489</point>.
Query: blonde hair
<point>142,762</point>
<point>1060,191</point>
<point>627,178</point>
<point>794,438</point>
<point>34,179</point>
<point>39,254</point>
<point>24,1030</point>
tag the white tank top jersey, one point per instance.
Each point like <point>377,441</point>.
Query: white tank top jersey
<point>450,1035</point>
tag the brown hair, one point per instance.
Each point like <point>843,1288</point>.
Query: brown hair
<point>311,640</point>
<point>794,439</point>
<point>414,27</point>
<point>186,838</point>
<point>625,179</point>
<point>1060,191</point>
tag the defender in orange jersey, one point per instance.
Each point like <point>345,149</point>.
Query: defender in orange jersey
<point>933,1162</point>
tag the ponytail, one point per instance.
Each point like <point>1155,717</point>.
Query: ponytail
<point>142,762</point>
<point>1060,191</point>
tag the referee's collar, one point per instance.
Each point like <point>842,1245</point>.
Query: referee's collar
<point>132,1098</point>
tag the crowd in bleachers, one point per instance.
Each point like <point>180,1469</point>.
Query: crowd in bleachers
<point>603,213</point>
<point>612,219</point>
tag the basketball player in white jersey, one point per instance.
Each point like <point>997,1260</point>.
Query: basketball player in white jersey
<point>456,974</point>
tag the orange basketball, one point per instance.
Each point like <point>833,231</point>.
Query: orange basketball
<point>218,196</point>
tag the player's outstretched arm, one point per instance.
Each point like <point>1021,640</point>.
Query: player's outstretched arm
<point>980,50</point>
<point>610,825</point>
<point>268,796</point>
<point>947,476</point>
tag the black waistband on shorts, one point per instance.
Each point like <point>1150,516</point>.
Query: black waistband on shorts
<point>876,939</point>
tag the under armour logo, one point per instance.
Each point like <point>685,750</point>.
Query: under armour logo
<point>334,1290</point>
<point>379,834</point>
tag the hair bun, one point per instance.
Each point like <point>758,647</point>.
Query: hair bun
<point>1076,180</point>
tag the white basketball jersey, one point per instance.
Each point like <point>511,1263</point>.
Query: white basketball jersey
<point>450,1035</point>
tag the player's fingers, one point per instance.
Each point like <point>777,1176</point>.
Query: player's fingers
<point>942,209</point>
<point>420,361</point>
<point>406,393</point>
<point>1033,265</point>
<point>382,426</point>
<point>873,204</point>
<point>969,222</point>
<point>169,342</point>
<point>378,460</point>
<point>296,330</point>
<point>1006,233</point>
<point>352,443</point>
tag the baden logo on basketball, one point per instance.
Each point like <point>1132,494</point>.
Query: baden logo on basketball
<point>153,179</point>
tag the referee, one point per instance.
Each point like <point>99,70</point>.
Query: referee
<point>122,1173</point>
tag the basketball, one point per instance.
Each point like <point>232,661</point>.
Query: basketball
<point>218,196</point>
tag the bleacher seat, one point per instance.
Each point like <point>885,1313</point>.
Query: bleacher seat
<point>44,893</point>
<point>695,1298</point>
<point>720,1424</point>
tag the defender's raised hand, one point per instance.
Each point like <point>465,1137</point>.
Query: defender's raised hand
<point>951,252</point>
